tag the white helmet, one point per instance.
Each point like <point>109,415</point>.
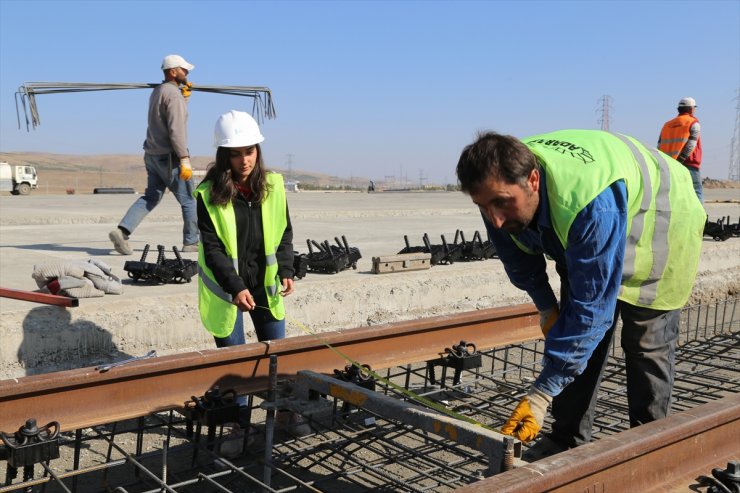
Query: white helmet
<point>236,129</point>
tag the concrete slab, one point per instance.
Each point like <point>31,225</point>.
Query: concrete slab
<point>47,228</point>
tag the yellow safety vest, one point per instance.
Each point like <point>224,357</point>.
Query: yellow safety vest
<point>217,311</point>
<point>665,219</point>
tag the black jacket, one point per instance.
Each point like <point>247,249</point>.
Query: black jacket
<point>250,245</point>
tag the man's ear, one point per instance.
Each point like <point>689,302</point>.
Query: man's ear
<point>534,180</point>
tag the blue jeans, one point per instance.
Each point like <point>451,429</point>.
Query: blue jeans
<point>696,180</point>
<point>160,176</point>
<point>265,325</point>
<point>649,342</point>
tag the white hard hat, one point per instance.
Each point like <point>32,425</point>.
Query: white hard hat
<point>236,129</point>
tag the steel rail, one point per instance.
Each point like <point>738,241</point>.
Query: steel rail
<point>34,297</point>
<point>84,397</point>
<point>659,456</point>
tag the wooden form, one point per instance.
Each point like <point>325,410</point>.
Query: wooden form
<point>401,262</point>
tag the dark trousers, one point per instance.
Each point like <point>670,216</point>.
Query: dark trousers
<point>649,342</point>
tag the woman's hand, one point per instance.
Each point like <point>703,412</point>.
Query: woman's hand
<point>287,287</point>
<point>244,301</point>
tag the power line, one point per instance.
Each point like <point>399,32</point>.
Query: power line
<point>605,110</point>
<point>734,172</point>
<point>290,166</point>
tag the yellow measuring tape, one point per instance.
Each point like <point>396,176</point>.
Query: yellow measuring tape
<point>364,369</point>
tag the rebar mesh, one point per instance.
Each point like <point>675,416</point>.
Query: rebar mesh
<point>353,450</point>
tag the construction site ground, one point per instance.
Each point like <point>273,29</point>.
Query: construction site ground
<point>40,229</point>
<point>356,451</point>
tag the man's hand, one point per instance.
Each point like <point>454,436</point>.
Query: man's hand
<point>548,318</point>
<point>186,171</point>
<point>244,301</point>
<point>526,420</point>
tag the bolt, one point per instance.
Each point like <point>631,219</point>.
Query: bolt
<point>508,461</point>
<point>30,428</point>
<point>733,470</point>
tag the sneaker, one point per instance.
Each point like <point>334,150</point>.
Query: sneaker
<point>292,423</point>
<point>190,248</point>
<point>544,447</point>
<point>120,242</point>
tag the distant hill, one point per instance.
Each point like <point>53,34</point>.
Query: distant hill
<point>59,173</point>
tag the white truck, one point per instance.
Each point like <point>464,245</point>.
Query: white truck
<point>18,180</point>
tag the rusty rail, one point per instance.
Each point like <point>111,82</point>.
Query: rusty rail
<point>32,296</point>
<point>665,455</point>
<point>659,456</point>
<point>85,397</point>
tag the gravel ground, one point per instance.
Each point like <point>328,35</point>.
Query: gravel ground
<point>44,228</point>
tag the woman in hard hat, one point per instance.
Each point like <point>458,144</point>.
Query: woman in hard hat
<point>246,247</point>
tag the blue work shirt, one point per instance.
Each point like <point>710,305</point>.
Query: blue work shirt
<point>590,268</point>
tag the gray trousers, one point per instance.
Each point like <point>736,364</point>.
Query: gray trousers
<point>649,342</point>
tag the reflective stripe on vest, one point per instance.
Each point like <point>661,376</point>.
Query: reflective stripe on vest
<point>217,311</point>
<point>214,287</point>
<point>274,223</point>
<point>660,248</point>
<point>272,289</point>
<point>665,219</point>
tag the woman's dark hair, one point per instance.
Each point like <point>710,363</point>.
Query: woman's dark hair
<point>223,185</point>
<point>493,155</point>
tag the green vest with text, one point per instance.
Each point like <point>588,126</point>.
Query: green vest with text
<point>665,220</point>
<point>217,312</point>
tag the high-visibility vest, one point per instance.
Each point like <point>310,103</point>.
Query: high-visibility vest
<point>675,134</point>
<point>665,219</point>
<point>217,311</point>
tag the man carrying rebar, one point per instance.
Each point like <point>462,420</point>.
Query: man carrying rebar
<point>624,227</point>
<point>166,157</point>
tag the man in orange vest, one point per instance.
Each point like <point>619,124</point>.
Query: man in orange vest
<point>680,139</point>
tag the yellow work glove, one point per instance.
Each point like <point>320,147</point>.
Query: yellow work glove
<point>186,171</point>
<point>186,90</point>
<point>526,420</point>
<point>548,318</point>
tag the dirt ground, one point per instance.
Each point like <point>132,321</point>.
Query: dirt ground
<point>56,228</point>
<point>39,228</point>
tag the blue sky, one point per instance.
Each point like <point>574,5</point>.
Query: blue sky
<point>375,89</point>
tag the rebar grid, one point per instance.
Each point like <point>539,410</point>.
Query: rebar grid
<point>353,450</point>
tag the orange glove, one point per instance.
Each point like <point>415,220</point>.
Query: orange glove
<point>526,420</point>
<point>548,318</point>
<point>186,90</point>
<point>186,171</point>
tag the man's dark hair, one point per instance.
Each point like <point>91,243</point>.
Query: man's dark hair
<point>685,109</point>
<point>493,155</point>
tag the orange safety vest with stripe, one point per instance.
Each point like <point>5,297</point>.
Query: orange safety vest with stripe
<point>674,136</point>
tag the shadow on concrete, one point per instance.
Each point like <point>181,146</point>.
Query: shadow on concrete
<point>56,247</point>
<point>53,342</point>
